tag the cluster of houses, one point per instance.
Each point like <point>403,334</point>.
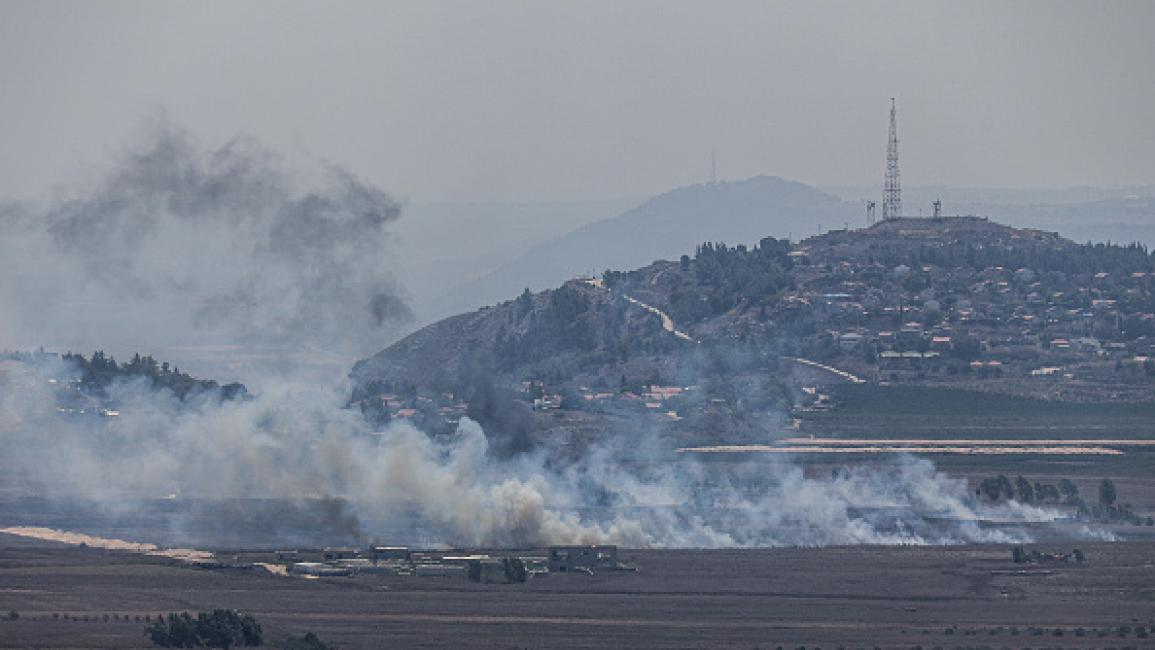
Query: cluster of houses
<point>431,411</point>
<point>479,567</point>
<point>655,398</point>
<point>915,300</point>
<point>1021,555</point>
<point>989,322</point>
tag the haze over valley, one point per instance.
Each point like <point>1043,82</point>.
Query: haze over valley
<point>643,324</point>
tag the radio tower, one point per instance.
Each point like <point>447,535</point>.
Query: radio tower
<point>892,190</point>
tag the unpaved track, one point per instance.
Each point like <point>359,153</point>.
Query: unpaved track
<point>667,322</point>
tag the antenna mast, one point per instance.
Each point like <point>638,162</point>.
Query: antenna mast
<point>892,190</point>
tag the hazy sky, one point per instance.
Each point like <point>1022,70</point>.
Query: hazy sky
<point>564,100</point>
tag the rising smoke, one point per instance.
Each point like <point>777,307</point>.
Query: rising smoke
<point>180,244</point>
<point>295,445</point>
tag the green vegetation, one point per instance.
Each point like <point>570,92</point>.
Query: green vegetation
<point>1000,488</point>
<point>515,569</point>
<point>719,278</point>
<point>873,411</point>
<point>221,628</point>
<point>1106,511</point>
<point>99,371</point>
<point>1033,254</point>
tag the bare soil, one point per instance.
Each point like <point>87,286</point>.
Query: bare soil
<point>853,597</point>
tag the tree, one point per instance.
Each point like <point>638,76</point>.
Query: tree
<point>515,569</point>
<point>1107,493</point>
<point>173,631</point>
<point>225,628</point>
<point>967,348</point>
<point>1069,490</point>
<point>1026,492</point>
<point>222,628</point>
<point>992,489</point>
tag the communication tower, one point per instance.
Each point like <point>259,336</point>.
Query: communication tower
<point>892,189</point>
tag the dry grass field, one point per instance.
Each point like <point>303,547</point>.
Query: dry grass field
<point>860,597</point>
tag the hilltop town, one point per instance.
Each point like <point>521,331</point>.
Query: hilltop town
<point>968,302</point>
<point>953,302</point>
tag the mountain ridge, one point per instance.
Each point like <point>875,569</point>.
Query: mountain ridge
<point>664,226</point>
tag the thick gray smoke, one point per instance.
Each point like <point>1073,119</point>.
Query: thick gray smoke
<point>295,444</point>
<point>182,245</point>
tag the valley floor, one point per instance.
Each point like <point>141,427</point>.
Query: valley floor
<point>853,597</point>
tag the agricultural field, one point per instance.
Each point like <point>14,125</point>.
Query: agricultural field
<point>904,597</point>
<point>873,411</point>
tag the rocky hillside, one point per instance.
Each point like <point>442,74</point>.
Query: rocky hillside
<point>577,327</point>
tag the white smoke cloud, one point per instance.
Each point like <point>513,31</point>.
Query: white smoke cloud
<point>179,243</point>
<point>296,443</point>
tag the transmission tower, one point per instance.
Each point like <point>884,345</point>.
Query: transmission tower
<point>892,190</point>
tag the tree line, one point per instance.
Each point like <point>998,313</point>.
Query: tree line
<point>1106,509</point>
<point>97,372</point>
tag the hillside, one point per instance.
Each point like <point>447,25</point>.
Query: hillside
<point>552,333</point>
<point>663,227</point>
<point>958,302</point>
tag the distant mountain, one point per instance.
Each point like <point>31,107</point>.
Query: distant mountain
<point>443,245</point>
<point>665,227</point>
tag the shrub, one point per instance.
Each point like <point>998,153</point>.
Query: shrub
<point>222,628</point>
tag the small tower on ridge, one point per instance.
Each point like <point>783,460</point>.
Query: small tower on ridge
<point>892,189</point>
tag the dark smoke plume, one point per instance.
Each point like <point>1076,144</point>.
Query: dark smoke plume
<point>205,245</point>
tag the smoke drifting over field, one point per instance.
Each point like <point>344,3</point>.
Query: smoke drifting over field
<point>180,244</point>
<point>297,445</point>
